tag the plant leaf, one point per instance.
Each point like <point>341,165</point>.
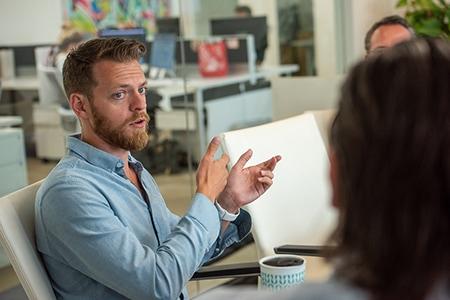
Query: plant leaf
<point>448,20</point>
<point>430,27</point>
<point>401,3</point>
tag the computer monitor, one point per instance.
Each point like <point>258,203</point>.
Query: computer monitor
<point>137,33</point>
<point>168,25</point>
<point>256,26</point>
<point>162,56</point>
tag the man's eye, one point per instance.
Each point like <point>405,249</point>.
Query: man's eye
<point>118,95</point>
<point>142,90</point>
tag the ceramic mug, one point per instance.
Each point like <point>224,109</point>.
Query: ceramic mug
<point>280,271</point>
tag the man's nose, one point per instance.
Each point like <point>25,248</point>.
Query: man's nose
<point>138,102</point>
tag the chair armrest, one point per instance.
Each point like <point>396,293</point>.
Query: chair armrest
<point>306,250</point>
<point>227,271</point>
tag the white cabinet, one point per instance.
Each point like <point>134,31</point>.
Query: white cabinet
<point>13,171</point>
<point>49,133</point>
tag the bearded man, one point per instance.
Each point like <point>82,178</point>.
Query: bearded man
<point>102,226</point>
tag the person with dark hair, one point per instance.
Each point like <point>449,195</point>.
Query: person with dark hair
<point>386,33</point>
<point>243,11</point>
<point>102,226</point>
<point>67,44</point>
<point>390,174</point>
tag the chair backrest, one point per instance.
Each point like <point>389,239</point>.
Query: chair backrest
<point>298,94</point>
<point>296,209</point>
<point>17,237</point>
<point>50,78</point>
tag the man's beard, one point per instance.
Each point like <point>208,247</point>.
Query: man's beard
<point>117,137</point>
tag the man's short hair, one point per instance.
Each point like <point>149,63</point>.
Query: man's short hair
<point>390,20</point>
<point>77,70</point>
<point>243,9</point>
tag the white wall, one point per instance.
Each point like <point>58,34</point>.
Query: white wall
<point>25,22</point>
<point>196,14</point>
<point>295,95</point>
<point>325,37</point>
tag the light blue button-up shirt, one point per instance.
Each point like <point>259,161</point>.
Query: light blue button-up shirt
<point>101,239</point>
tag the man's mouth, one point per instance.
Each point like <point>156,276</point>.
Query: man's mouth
<point>141,122</point>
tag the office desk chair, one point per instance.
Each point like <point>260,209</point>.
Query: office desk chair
<point>18,240</point>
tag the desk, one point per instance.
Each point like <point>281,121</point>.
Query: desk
<point>218,110</point>
<point>12,86</point>
<point>9,121</point>
<point>25,83</point>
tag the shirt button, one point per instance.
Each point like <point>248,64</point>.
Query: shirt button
<point>119,165</point>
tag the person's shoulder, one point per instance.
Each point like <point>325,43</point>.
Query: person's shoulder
<point>68,176</point>
<point>331,289</point>
<point>68,168</point>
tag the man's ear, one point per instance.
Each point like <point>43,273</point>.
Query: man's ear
<point>80,105</point>
<point>334,178</point>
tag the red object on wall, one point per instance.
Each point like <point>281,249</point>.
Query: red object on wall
<point>213,59</point>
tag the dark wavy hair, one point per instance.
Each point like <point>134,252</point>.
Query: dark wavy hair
<point>77,69</point>
<point>391,138</point>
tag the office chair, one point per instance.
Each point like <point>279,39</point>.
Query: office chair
<point>295,210</point>
<point>18,240</point>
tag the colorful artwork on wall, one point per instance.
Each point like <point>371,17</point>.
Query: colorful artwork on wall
<point>90,15</point>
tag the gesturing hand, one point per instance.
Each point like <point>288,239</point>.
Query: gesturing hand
<point>246,185</point>
<point>212,174</point>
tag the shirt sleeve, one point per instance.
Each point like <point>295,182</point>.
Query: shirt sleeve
<point>83,229</point>
<point>237,230</point>
<point>235,233</point>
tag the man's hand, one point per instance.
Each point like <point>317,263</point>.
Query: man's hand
<point>212,174</point>
<point>246,185</point>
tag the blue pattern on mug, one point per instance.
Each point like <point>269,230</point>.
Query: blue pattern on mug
<point>278,282</point>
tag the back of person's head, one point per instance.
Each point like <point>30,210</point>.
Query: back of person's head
<point>71,40</point>
<point>77,70</point>
<point>391,141</point>
<point>389,20</point>
<point>243,11</point>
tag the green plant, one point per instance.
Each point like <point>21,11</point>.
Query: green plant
<point>428,17</point>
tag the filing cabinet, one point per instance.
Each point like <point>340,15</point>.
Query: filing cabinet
<point>13,171</point>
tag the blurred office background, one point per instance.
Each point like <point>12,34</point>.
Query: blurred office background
<point>307,47</point>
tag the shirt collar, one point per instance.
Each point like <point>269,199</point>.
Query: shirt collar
<point>96,156</point>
